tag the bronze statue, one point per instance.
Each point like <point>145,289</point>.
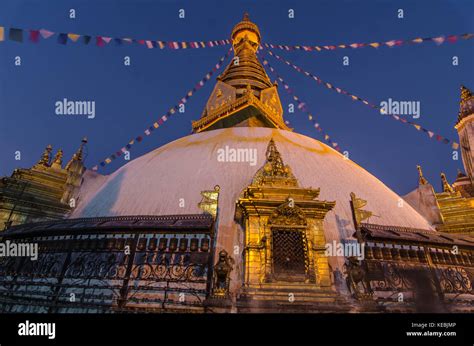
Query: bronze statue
<point>222,271</point>
<point>356,279</point>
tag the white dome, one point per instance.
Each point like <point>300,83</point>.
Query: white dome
<point>155,183</point>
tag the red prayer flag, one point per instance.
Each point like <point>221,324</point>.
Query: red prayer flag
<point>34,36</point>
<point>99,41</point>
<point>452,38</point>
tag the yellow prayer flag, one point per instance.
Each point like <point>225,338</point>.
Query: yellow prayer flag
<point>107,160</point>
<point>374,44</point>
<point>418,127</point>
<point>2,33</point>
<point>155,125</point>
<point>417,40</point>
<point>73,37</point>
<point>184,45</point>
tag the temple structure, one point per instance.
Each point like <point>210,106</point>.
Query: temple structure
<point>281,223</point>
<point>452,209</point>
<point>46,191</point>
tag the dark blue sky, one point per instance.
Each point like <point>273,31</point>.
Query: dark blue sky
<point>128,99</point>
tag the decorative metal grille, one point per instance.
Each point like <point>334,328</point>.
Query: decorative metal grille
<point>289,255</point>
<point>101,276</point>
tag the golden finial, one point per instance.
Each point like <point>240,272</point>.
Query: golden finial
<point>465,93</point>
<point>446,186</point>
<point>46,156</point>
<point>58,160</point>
<point>78,154</point>
<point>421,179</point>
<point>245,28</point>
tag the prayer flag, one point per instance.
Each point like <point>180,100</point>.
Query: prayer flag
<point>15,35</point>
<point>73,37</point>
<point>34,36</point>
<point>46,33</point>
<point>452,38</point>
<point>62,38</point>
<point>99,41</point>
<point>438,40</point>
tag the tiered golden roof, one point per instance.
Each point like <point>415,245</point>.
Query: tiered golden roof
<point>244,94</point>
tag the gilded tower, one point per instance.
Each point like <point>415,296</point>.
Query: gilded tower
<point>46,191</point>
<point>465,128</point>
<point>243,94</point>
<point>452,209</point>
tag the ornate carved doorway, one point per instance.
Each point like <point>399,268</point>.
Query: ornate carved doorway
<point>289,255</point>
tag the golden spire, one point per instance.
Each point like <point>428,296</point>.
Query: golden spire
<point>446,186</point>
<point>245,67</point>
<point>421,180</point>
<point>58,160</point>
<point>45,157</point>
<point>78,155</point>
<point>244,94</point>
<point>274,172</point>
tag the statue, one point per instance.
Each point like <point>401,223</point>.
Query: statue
<point>222,271</point>
<point>356,279</point>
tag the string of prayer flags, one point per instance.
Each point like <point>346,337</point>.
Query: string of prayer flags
<point>302,106</point>
<point>175,109</point>
<point>16,34</point>
<point>392,43</point>
<point>418,127</point>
